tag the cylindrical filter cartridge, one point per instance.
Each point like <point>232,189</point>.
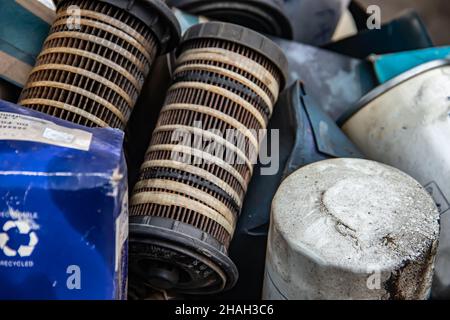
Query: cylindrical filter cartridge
<point>96,58</point>
<point>405,123</point>
<point>265,16</point>
<point>351,229</point>
<point>183,213</point>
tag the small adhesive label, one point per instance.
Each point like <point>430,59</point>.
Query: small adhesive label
<point>24,128</point>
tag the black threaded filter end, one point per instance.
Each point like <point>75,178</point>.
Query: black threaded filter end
<point>155,14</point>
<point>243,36</point>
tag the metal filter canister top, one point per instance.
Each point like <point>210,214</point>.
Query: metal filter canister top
<point>94,62</point>
<point>405,123</point>
<point>183,214</point>
<point>265,16</point>
<point>351,229</point>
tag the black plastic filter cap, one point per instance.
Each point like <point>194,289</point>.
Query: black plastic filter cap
<point>155,14</point>
<point>185,252</point>
<point>243,36</point>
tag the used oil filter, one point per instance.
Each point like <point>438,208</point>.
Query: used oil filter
<point>406,123</point>
<point>183,214</point>
<point>351,229</point>
<point>94,62</point>
<point>265,16</point>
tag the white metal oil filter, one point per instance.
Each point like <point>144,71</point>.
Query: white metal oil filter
<point>405,123</point>
<point>351,229</point>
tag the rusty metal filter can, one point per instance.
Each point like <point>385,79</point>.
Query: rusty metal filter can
<point>183,213</point>
<point>405,123</point>
<point>94,62</point>
<point>351,229</point>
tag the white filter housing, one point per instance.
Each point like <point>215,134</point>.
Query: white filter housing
<point>351,229</point>
<point>406,124</point>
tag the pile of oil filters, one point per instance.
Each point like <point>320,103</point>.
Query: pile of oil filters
<point>333,223</point>
<point>185,207</point>
<point>227,79</point>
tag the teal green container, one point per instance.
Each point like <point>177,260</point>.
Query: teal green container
<point>24,25</point>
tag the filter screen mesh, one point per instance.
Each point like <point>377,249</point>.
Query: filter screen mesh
<point>92,66</point>
<point>221,89</point>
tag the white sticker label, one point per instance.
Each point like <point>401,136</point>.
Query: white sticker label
<point>24,128</point>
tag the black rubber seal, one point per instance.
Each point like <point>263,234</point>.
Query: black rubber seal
<point>155,14</point>
<point>243,36</point>
<point>268,12</point>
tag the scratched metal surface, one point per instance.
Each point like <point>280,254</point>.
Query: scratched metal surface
<point>306,135</point>
<point>335,81</point>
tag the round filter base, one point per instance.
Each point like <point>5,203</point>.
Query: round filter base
<point>172,256</point>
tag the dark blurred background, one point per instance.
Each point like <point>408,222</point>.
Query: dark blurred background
<point>435,13</point>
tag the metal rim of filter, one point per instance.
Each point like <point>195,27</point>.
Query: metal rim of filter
<point>156,233</point>
<point>168,32</point>
<point>389,85</point>
<point>194,257</point>
<point>266,16</point>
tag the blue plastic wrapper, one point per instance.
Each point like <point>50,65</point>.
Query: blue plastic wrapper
<point>63,209</point>
<point>389,66</point>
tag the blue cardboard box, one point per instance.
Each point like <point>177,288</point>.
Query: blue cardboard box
<point>63,209</point>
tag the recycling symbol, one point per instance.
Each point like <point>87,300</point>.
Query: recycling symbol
<point>24,229</point>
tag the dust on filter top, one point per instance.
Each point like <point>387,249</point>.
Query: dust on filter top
<point>168,32</point>
<point>243,36</point>
<point>355,214</point>
<point>274,8</point>
<point>385,87</point>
